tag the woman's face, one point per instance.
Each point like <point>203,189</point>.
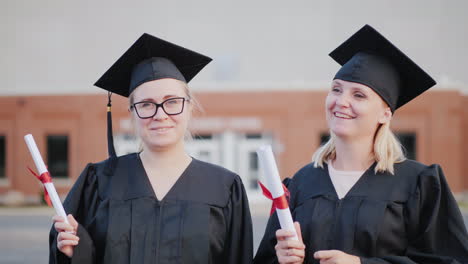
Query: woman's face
<point>354,110</point>
<point>162,131</point>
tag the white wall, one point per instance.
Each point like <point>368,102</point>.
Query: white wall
<point>51,47</point>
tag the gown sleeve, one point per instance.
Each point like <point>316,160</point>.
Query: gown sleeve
<point>435,227</point>
<point>266,253</point>
<point>239,244</point>
<point>81,202</point>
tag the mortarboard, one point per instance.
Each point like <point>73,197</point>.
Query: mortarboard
<point>369,58</point>
<point>148,59</point>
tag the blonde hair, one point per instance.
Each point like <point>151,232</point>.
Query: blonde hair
<point>196,107</point>
<point>387,150</point>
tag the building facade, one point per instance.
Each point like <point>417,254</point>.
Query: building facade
<point>70,131</point>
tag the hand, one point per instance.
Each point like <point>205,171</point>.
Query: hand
<point>287,250</point>
<point>66,239</point>
<point>336,257</point>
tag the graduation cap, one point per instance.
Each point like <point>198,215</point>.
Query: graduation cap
<point>148,59</point>
<point>369,58</point>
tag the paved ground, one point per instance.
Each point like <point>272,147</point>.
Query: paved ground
<point>24,233</point>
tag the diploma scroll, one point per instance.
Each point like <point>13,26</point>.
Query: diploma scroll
<point>275,188</point>
<point>44,177</point>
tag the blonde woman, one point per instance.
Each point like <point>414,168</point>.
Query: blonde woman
<point>159,205</point>
<point>361,200</point>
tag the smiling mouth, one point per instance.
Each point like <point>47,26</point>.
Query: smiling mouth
<point>161,129</point>
<point>344,116</point>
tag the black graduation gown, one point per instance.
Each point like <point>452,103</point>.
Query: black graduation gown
<point>204,218</point>
<point>409,217</point>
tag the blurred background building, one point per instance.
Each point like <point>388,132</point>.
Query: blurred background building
<point>266,85</point>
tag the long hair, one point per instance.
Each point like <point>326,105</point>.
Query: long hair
<point>387,150</point>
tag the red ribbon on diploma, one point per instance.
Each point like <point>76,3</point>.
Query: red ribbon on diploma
<point>279,202</point>
<point>44,178</point>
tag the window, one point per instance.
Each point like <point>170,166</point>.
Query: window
<point>57,155</point>
<point>408,140</point>
<point>205,147</point>
<point>202,137</point>
<point>254,136</point>
<point>235,151</point>
<point>246,159</point>
<point>204,155</point>
<point>125,143</point>
<point>2,156</point>
<point>253,170</point>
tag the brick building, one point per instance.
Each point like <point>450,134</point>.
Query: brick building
<point>71,130</point>
<point>270,73</point>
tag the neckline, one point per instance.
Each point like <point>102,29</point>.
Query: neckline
<point>361,181</point>
<point>174,186</point>
<point>345,172</point>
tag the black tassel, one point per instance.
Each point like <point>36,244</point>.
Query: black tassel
<point>110,139</point>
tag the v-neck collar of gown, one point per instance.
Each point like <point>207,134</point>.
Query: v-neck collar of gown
<point>359,188</point>
<point>139,184</point>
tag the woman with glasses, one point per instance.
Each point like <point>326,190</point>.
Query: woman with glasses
<point>361,200</point>
<point>159,205</point>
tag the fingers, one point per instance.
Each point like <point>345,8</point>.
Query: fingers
<point>61,245</point>
<point>290,251</point>
<point>285,251</point>
<point>290,259</point>
<point>295,252</point>
<point>336,257</point>
<point>67,236</point>
<point>325,254</point>
<point>283,234</point>
<point>66,242</point>
<point>57,218</point>
<point>72,221</point>
<point>284,243</point>
<point>288,244</point>
<point>63,227</point>
<point>290,255</point>
<point>298,231</point>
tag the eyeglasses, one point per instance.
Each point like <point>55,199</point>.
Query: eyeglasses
<point>148,109</point>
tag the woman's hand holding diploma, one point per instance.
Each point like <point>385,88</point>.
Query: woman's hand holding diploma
<point>66,238</point>
<point>290,248</point>
<point>65,226</point>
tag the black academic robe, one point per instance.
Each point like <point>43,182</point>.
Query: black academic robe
<point>409,217</point>
<point>204,218</point>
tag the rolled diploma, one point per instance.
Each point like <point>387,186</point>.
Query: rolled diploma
<point>274,185</point>
<point>41,168</point>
